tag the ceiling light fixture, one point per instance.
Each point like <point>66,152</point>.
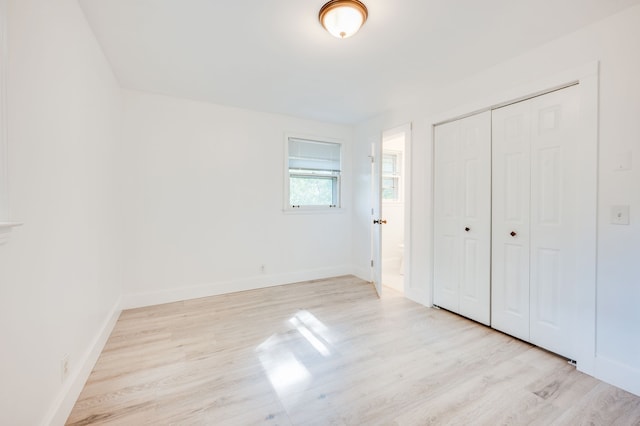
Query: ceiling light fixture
<point>343,18</point>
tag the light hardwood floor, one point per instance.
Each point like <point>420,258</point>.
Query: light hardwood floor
<point>330,352</point>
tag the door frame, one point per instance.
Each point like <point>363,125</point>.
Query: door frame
<point>587,78</point>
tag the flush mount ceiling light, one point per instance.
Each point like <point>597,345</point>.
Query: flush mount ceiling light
<point>343,18</point>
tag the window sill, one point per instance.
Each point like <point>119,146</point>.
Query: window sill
<point>314,210</point>
<point>5,229</point>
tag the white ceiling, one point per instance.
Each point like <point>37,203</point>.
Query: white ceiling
<point>273,55</point>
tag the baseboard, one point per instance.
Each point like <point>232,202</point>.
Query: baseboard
<point>68,395</point>
<point>362,273</point>
<point>418,295</point>
<point>617,374</point>
<point>139,300</point>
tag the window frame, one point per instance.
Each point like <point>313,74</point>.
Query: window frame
<point>397,175</point>
<point>336,177</point>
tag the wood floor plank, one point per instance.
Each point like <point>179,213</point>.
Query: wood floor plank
<point>330,352</point>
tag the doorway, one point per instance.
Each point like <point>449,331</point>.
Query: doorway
<point>394,195</point>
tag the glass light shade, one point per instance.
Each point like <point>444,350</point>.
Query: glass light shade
<point>343,18</point>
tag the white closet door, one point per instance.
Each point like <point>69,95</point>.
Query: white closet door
<point>463,217</point>
<point>554,152</point>
<point>475,229</point>
<point>447,254</point>
<point>510,228</point>
<point>534,182</point>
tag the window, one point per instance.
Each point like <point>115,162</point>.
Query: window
<point>391,176</point>
<point>313,173</point>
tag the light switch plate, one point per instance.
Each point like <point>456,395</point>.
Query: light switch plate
<point>620,215</point>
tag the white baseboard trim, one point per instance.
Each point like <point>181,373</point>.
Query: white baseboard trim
<point>139,300</point>
<point>617,374</point>
<point>418,296</point>
<point>362,273</point>
<point>70,391</point>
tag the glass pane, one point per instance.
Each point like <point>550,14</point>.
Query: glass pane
<point>390,188</point>
<point>311,191</point>
<point>389,162</point>
<point>388,182</point>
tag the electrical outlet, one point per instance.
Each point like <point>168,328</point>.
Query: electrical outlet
<point>64,367</point>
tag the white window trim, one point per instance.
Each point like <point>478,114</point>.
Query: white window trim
<point>289,209</point>
<point>399,174</point>
<point>6,225</point>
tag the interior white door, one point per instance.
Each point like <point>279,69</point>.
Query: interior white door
<point>463,216</point>
<point>376,212</point>
<point>554,151</point>
<point>534,260</point>
<point>475,282</point>
<point>511,140</point>
<point>447,253</point>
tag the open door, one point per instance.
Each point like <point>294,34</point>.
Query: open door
<point>376,220</point>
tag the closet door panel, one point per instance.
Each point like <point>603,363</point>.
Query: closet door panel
<point>447,251</point>
<point>475,285</point>
<point>462,205</point>
<point>553,183</point>
<point>510,270</point>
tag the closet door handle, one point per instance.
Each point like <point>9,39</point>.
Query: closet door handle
<point>513,233</point>
<point>467,229</point>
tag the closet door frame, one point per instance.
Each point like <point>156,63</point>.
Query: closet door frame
<point>586,77</point>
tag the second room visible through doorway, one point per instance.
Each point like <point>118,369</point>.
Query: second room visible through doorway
<point>393,197</point>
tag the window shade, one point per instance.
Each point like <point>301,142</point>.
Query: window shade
<point>313,155</point>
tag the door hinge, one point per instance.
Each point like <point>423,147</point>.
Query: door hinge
<point>372,158</point>
<point>372,263</point>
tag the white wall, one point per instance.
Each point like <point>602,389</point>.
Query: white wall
<point>615,42</point>
<point>59,273</point>
<point>205,202</point>
<point>4,185</point>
